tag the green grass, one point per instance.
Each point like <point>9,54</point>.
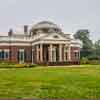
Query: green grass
<point>43,82</point>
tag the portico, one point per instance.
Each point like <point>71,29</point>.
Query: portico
<point>46,53</point>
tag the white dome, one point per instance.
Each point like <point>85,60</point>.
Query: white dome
<point>45,24</point>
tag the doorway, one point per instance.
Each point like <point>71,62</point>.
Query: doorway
<point>21,56</point>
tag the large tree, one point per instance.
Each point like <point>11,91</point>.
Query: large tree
<point>83,35</point>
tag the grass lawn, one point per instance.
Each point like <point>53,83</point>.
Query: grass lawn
<point>43,82</point>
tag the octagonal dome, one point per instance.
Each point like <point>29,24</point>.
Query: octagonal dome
<point>45,24</point>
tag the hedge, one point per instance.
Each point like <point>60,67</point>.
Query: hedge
<point>5,65</point>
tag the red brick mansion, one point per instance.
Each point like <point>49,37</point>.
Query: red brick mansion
<point>43,43</point>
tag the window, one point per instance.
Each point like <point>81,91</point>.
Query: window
<point>21,55</point>
<point>0,54</point>
<point>6,54</point>
<point>76,55</point>
<point>51,30</point>
<point>55,36</point>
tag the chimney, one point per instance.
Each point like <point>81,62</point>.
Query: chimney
<point>25,29</point>
<point>10,33</point>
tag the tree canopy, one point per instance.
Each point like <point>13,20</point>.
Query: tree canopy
<point>88,46</point>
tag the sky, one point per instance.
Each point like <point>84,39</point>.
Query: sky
<point>70,15</point>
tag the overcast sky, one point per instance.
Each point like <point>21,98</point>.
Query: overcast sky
<point>71,15</point>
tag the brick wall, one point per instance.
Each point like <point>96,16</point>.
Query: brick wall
<point>72,53</point>
<point>28,53</point>
<point>14,53</point>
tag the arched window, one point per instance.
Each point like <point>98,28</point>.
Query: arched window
<point>55,36</point>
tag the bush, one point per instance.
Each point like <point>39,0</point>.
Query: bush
<point>32,65</point>
<point>84,61</point>
<point>94,57</point>
<point>24,65</point>
<point>88,61</point>
<point>19,65</point>
<point>5,65</point>
<point>29,65</point>
<point>94,62</point>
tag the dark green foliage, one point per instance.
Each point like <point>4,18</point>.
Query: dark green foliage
<point>30,65</point>
<point>84,60</point>
<point>83,35</point>
<point>89,50</point>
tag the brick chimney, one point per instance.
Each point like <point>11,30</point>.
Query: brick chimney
<point>10,33</point>
<point>26,29</point>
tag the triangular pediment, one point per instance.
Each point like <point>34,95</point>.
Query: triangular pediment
<point>54,36</point>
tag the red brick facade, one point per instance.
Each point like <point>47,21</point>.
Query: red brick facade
<point>73,49</point>
<point>14,57</point>
<point>13,53</point>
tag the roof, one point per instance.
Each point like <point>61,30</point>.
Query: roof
<point>45,24</point>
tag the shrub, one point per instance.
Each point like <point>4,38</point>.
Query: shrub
<point>5,65</point>
<point>19,65</point>
<point>94,62</point>
<point>84,61</point>
<point>88,61</point>
<point>32,65</point>
<point>24,65</point>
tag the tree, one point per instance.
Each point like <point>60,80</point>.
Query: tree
<point>81,34</point>
<point>97,44</point>
<point>97,50</point>
<point>87,48</point>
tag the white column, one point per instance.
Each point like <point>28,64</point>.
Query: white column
<point>65,54</point>
<point>37,53</point>
<point>50,53</point>
<point>79,54</point>
<point>60,52</point>
<point>41,52</point>
<point>32,55</point>
<point>69,53</point>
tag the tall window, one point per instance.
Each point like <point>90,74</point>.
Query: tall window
<point>76,55</point>
<point>28,55</point>
<point>21,55</point>
<point>0,54</point>
<point>6,54</point>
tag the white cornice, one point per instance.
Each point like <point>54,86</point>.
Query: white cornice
<point>15,44</point>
